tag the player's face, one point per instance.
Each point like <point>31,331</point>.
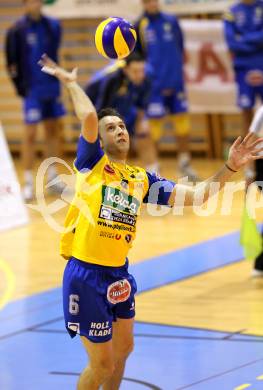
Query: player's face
<point>135,72</point>
<point>114,136</point>
<point>151,6</point>
<point>33,7</point>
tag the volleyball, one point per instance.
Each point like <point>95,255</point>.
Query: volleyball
<point>115,38</point>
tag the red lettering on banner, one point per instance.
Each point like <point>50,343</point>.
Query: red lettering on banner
<point>209,63</point>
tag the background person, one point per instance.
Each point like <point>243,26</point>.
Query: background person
<point>126,87</point>
<point>32,35</point>
<point>160,40</point>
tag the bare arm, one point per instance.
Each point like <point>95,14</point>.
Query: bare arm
<point>84,109</point>
<point>241,153</point>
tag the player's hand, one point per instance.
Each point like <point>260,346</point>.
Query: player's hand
<point>243,152</point>
<point>50,67</point>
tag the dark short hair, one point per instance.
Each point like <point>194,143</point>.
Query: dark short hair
<point>109,112</point>
<point>134,57</point>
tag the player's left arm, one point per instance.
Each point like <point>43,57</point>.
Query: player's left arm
<point>241,153</point>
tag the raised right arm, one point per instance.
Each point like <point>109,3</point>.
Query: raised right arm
<point>84,109</point>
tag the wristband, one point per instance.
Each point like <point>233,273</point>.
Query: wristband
<point>230,169</point>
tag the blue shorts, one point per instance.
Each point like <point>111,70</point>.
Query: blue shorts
<point>37,110</point>
<point>161,105</point>
<point>94,296</point>
<point>250,86</point>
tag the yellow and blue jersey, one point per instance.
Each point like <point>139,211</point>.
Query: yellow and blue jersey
<point>101,221</point>
<point>160,39</point>
<point>243,25</point>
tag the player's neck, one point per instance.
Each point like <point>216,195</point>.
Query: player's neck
<point>117,159</point>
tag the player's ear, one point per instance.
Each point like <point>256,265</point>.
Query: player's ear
<point>101,142</point>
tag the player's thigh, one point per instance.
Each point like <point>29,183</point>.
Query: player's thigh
<point>124,313</point>
<point>100,354</point>
<point>123,337</point>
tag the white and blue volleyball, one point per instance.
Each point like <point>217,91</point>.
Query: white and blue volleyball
<point>115,38</point>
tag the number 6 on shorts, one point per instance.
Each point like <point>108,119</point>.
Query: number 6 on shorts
<point>73,304</point>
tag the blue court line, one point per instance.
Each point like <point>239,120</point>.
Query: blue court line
<point>188,262</point>
<point>149,274</point>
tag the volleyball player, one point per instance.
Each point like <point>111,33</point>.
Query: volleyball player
<point>98,290</point>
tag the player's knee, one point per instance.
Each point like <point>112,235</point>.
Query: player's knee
<point>129,348</point>
<point>104,367</point>
<point>125,350</point>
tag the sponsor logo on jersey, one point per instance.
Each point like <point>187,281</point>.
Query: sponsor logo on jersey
<point>124,183</point>
<point>117,216</point>
<point>109,169</point>
<point>110,235</point>
<point>99,329</point>
<point>119,291</point>
<point>128,238</point>
<point>116,226</point>
<point>119,200</point>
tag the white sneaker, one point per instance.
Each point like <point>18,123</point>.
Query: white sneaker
<point>256,273</point>
<point>28,192</point>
